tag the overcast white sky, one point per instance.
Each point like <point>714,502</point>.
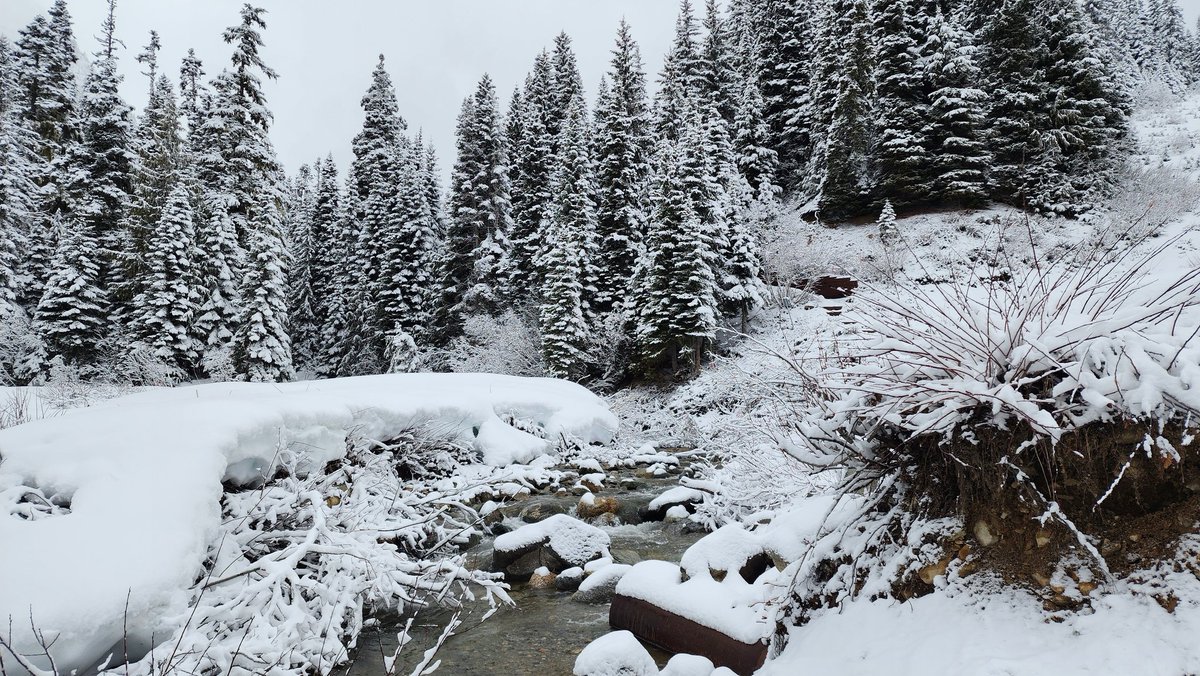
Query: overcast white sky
<point>324,51</point>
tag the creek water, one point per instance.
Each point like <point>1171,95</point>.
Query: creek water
<point>544,632</point>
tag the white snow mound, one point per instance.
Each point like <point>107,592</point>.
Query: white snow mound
<point>144,473</point>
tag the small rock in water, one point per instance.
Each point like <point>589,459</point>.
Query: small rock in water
<point>542,578</point>
<point>569,579</point>
<point>600,586</point>
<point>590,506</point>
<point>677,513</point>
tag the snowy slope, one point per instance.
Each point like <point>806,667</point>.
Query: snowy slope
<point>143,475</point>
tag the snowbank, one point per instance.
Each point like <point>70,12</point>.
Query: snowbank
<point>143,476</point>
<point>1004,632</point>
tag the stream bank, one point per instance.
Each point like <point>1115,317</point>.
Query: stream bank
<point>546,629</point>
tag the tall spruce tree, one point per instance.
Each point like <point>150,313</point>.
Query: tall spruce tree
<point>250,192</point>
<point>480,216</point>
<point>299,209</point>
<point>530,159</point>
<point>956,126</point>
<point>46,57</point>
<point>682,76</point>
<point>782,52</point>
<point>72,316</point>
<point>845,143</point>
<point>622,148</point>
<point>900,156</point>
<point>563,312</point>
<point>18,183</point>
<point>166,303</point>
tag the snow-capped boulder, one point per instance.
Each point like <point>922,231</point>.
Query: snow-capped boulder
<point>558,543</point>
<point>615,654</point>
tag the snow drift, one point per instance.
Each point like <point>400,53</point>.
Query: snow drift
<point>143,478</point>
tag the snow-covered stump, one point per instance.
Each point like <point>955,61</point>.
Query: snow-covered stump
<point>136,545</point>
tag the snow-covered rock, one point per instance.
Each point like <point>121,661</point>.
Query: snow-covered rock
<point>559,542</point>
<point>600,585</point>
<point>143,475</point>
<point>615,654</point>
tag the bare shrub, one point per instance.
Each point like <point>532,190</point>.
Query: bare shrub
<point>509,344</point>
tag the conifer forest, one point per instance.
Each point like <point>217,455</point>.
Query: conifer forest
<point>840,337</point>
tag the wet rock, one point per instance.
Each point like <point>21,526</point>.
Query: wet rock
<point>569,580</point>
<point>542,578</point>
<point>678,496</point>
<point>590,506</point>
<point>557,543</point>
<point>541,510</point>
<point>600,586</point>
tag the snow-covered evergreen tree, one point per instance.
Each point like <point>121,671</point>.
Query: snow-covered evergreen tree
<point>73,314</point>
<point>956,126</point>
<point>783,46</point>
<point>166,303</point>
<point>845,142</point>
<point>719,78</point>
<point>900,154</point>
<point>562,314</point>
<point>622,160</point>
<point>682,76</point>
<point>480,216</point>
<point>530,162</point>
<point>299,211</point>
<point>242,180</point>
<point>46,57</point>
<point>18,188</point>
<point>757,159</point>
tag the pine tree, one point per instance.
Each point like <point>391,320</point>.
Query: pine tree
<point>1087,114</point>
<point>242,179</point>
<point>480,217</point>
<point>158,144</point>
<point>682,76</point>
<point>299,213</point>
<point>845,143</point>
<point>889,234</point>
<point>567,86</point>
<point>324,256</point>
<point>18,187</point>
<point>72,315</point>
<point>262,350</point>
<point>563,313</point>
<point>718,74</point>
<point>622,149</point>
<point>531,157</point>
<point>677,286</point>
<point>1013,50</point>
<point>956,124</point>
<point>784,36</point>
<point>46,60</point>
<point>901,160</point>
<point>757,160</point>
<point>165,307</point>
<point>376,170</point>
<point>193,96</point>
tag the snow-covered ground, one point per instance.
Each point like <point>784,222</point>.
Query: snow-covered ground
<point>135,483</point>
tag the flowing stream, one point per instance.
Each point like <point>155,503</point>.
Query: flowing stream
<point>545,631</point>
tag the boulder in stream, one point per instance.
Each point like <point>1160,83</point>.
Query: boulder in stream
<point>558,543</point>
<point>600,585</point>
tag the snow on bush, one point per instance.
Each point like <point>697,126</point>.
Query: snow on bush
<point>507,344</point>
<point>145,551</point>
<point>1091,338</point>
